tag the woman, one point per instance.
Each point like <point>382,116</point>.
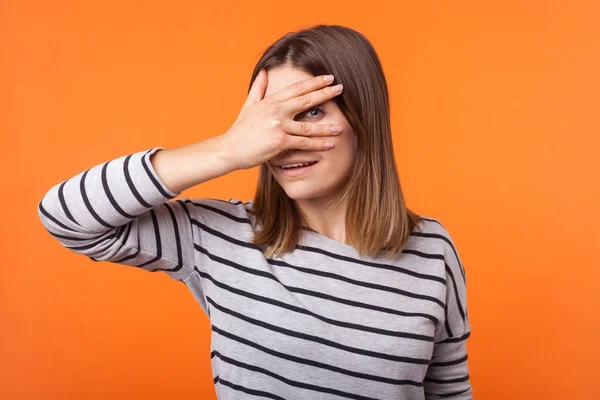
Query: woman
<point>324,286</point>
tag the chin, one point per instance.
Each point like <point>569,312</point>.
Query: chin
<point>304,191</point>
<point>299,193</point>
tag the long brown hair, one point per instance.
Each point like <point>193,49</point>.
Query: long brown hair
<point>377,218</point>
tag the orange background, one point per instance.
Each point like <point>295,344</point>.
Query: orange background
<point>495,114</point>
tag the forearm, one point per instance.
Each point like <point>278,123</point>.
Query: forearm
<point>187,166</point>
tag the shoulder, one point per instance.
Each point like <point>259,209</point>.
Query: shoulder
<point>445,247</point>
<point>431,233</point>
<point>435,237</point>
<point>432,225</point>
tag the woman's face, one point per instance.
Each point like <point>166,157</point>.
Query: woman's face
<point>324,179</point>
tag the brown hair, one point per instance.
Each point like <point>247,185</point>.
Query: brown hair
<point>376,215</point>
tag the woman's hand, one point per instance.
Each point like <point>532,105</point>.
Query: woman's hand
<point>265,126</point>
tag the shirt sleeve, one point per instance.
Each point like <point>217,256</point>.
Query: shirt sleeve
<point>448,374</point>
<point>122,212</point>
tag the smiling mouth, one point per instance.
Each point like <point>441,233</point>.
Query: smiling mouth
<point>298,170</point>
<point>298,166</point>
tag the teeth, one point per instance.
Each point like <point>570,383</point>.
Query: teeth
<point>296,165</point>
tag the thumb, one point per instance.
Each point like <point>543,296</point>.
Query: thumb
<point>257,91</point>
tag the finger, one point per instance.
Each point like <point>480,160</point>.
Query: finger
<point>309,100</point>
<point>304,143</point>
<point>257,91</point>
<point>309,128</point>
<point>302,87</point>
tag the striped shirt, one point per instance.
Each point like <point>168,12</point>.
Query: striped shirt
<point>320,322</point>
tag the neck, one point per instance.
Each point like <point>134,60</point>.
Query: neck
<point>330,223</point>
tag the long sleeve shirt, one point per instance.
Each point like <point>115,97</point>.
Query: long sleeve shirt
<point>320,322</point>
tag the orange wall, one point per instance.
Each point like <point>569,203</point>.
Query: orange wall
<point>496,120</point>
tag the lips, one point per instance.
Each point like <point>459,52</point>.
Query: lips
<point>297,165</point>
<point>298,171</point>
<point>293,162</point>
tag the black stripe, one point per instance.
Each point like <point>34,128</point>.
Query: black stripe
<point>244,389</point>
<point>445,239</point>
<point>122,229</point>
<point>234,202</point>
<point>230,239</point>
<point>137,248</point>
<point>63,203</point>
<point>158,252</point>
<point>301,310</point>
<point>76,239</point>
<point>109,195</point>
<point>455,339</point>
<point>101,240</point>
<point>360,304</point>
<point>129,257</point>
<point>231,202</point>
<point>177,238</point>
<point>221,212</point>
<point>145,160</point>
<point>51,218</point>
<point>270,276</point>
<point>446,322</point>
<point>318,364</point>
<point>447,381</point>
<point>453,393</point>
<point>449,363</point>
<point>131,185</point>
<point>189,219</point>
<point>87,203</point>
<point>356,282</point>
<point>289,381</point>
<point>317,339</point>
<point>430,220</point>
<point>456,294</point>
<point>124,241</point>
<point>383,266</point>
<point>251,212</point>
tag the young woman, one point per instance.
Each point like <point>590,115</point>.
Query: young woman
<point>325,285</point>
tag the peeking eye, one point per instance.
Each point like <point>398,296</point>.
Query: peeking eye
<point>313,113</point>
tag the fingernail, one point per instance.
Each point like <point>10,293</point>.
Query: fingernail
<point>336,128</point>
<point>328,78</point>
<point>337,88</point>
<point>328,144</point>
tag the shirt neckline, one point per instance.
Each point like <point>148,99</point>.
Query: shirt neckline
<point>317,239</point>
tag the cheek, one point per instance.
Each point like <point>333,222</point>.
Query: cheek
<point>340,158</point>
<point>344,146</point>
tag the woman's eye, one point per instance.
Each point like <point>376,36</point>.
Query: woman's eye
<point>313,113</point>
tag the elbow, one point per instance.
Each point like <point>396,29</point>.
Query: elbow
<point>72,236</point>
